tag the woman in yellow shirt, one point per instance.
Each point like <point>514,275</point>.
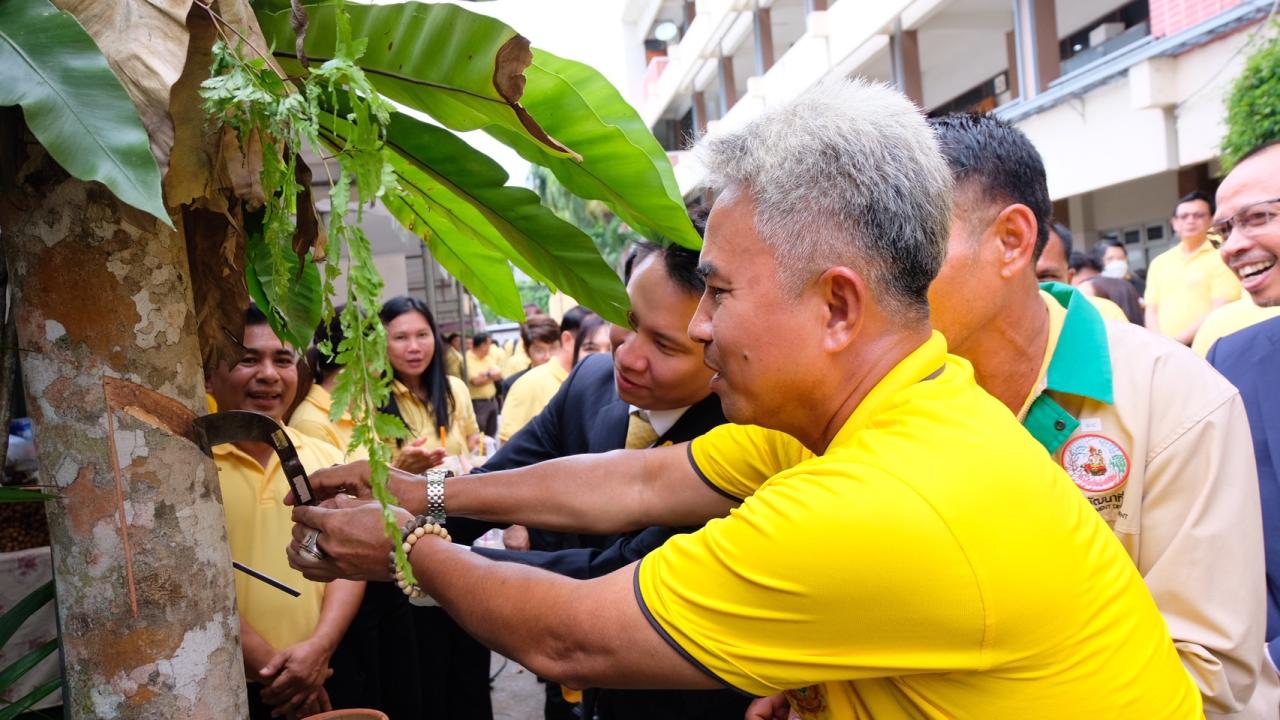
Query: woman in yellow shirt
<point>454,678</point>
<point>311,416</point>
<point>436,407</point>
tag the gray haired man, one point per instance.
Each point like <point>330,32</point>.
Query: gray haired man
<point>867,576</point>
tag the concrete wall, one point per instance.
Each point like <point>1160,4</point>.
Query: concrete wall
<point>1165,114</point>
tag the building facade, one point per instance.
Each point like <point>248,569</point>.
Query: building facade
<point>1124,99</point>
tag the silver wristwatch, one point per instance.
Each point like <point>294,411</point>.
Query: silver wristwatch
<point>435,493</point>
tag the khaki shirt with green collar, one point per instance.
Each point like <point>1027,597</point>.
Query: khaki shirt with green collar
<point>1159,444</point>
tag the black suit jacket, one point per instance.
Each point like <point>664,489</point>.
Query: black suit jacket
<point>587,416</point>
<point>1250,359</point>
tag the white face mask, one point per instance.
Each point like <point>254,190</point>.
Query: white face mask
<point>1116,269</point>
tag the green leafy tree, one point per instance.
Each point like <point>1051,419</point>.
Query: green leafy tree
<point>1253,107</point>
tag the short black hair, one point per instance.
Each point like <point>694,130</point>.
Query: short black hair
<point>479,338</point>
<point>253,315</point>
<point>999,160</point>
<point>572,319</point>
<point>540,328</point>
<point>1064,232</point>
<point>450,336</point>
<point>1078,260</point>
<point>324,364</point>
<point>590,325</point>
<point>1100,250</point>
<point>680,263</point>
<point>1194,196</point>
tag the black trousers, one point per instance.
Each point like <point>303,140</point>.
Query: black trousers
<point>487,415</point>
<point>455,668</point>
<point>374,666</point>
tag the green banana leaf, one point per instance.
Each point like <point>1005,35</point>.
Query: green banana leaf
<point>478,266</point>
<point>442,60</point>
<point>294,315</point>
<point>622,162</point>
<point>469,77</point>
<point>469,189</point>
<point>74,104</point>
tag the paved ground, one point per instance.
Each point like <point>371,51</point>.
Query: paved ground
<point>517,694</point>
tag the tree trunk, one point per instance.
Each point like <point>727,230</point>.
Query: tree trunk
<point>145,593</point>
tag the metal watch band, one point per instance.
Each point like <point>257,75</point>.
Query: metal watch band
<point>435,492</point>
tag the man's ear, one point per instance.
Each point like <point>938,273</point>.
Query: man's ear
<point>566,339</point>
<point>843,292</point>
<point>1015,230</point>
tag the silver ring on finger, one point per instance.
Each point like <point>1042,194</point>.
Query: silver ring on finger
<point>308,545</point>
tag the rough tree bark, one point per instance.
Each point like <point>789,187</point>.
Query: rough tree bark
<point>145,593</point>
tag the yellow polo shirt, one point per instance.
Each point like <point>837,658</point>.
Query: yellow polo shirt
<point>933,562</point>
<point>1228,319</point>
<point>517,360</point>
<point>479,366</point>
<point>529,396</point>
<point>421,419</point>
<point>1182,287</point>
<point>453,362</point>
<point>311,417</point>
<point>259,528</point>
<point>1108,309</point>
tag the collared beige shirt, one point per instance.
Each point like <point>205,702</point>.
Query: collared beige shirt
<point>1169,465</point>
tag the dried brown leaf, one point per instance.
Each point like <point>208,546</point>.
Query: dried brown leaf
<point>243,167</point>
<point>145,43</point>
<point>513,58</point>
<point>239,15</point>
<point>193,173</point>
<point>215,254</point>
<point>310,233</point>
<point>298,21</point>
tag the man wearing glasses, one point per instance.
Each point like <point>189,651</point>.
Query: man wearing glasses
<point>1248,224</point>
<point>1186,282</point>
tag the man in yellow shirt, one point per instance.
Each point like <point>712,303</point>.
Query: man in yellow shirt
<point>453,355</point>
<point>532,390</point>
<point>288,642</point>
<point>483,374</point>
<point>870,579</point>
<point>1228,319</point>
<point>1188,280</point>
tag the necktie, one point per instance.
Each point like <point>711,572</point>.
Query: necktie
<point>640,433</point>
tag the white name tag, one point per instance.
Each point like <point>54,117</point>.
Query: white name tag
<point>1090,424</point>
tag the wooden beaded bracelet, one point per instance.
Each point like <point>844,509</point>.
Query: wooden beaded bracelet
<point>414,530</point>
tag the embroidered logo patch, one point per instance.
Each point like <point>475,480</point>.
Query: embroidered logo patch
<point>1096,463</point>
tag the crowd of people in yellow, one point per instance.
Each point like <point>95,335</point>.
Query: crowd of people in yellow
<point>887,447</point>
